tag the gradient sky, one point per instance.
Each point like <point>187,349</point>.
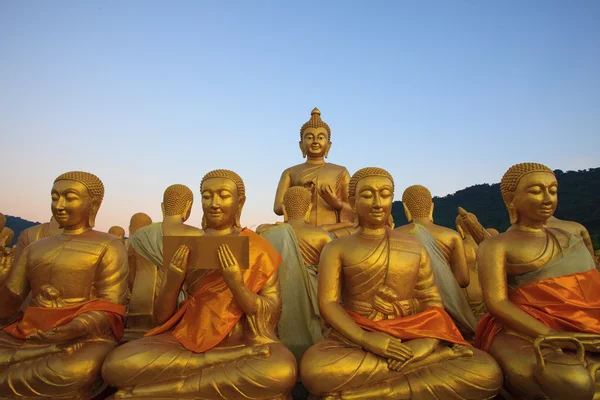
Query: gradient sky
<point>145,94</point>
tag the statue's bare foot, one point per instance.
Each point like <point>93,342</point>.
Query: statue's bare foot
<point>461,350</point>
<point>332,396</point>
<point>230,354</point>
<point>262,350</point>
<point>71,347</point>
<point>123,394</point>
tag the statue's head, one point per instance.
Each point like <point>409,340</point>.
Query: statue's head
<point>371,193</point>
<point>529,191</point>
<point>2,221</point>
<point>138,220</point>
<point>177,201</point>
<point>297,203</point>
<point>223,197</point>
<point>6,236</point>
<point>315,136</point>
<point>117,231</point>
<point>417,203</point>
<point>76,199</point>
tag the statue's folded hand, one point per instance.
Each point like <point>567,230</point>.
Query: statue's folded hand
<point>386,346</point>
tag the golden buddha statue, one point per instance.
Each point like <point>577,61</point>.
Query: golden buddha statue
<point>573,227</point>
<point>472,292</point>
<point>78,285</point>
<point>447,253</point>
<point>221,343</point>
<point>328,182</point>
<point>300,245</point>
<point>7,235</point>
<point>118,232</point>
<point>144,281</point>
<point>543,295</point>
<point>390,333</point>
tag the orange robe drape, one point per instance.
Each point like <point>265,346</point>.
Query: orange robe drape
<point>433,323</point>
<point>210,314</point>
<point>46,318</point>
<point>568,303</point>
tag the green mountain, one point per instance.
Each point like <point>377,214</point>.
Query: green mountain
<point>578,200</point>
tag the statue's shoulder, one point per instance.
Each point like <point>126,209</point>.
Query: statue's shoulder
<point>405,242</point>
<point>337,168</point>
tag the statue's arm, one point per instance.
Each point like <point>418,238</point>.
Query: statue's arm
<point>491,258</point>
<point>329,291</point>
<point>110,281</point>
<point>426,292</point>
<point>16,288</point>
<point>285,182</point>
<point>458,262</point>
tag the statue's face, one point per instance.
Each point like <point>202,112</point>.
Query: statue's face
<point>220,202</point>
<point>315,141</point>
<point>71,203</point>
<point>535,198</point>
<point>373,201</point>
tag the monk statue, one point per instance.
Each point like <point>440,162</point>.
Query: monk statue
<point>144,281</point>
<point>300,245</point>
<point>573,227</point>
<point>78,285</point>
<point>328,182</point>
<point>221,343</point>
<point>446,251</point>
<point>118,232</point>
<point>390,336</point>
<point>542,291</point>
<point>472,292</point>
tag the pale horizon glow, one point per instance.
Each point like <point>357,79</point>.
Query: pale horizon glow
<point>148,94</point>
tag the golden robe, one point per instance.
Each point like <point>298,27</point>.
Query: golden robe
<point>83,276</point>
<point>180,358</point>
<point>336,364</point>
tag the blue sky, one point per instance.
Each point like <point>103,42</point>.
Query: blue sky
<point>146,94</point>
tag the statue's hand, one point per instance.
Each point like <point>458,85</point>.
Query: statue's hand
<point>178,265</point>
<point>386,346</point>
<point>73,330</point>
<point>330,197</point>
<point>232,272</point>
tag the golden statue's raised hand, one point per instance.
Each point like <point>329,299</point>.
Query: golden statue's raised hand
<point>178,265</point>
<point>232,273</point>
<point>330,196</point>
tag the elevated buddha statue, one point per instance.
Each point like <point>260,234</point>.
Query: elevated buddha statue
<point>447,253</point>
<point>543,295</point>
<point>221,343</point>
<point>573,227</point>
<point>472,292</point>
<point>328,182</point>
<point>390,336</point>
<point>145,279</point>
<point>299,244</point>
<point>118,232</point>
<point>78,285</point>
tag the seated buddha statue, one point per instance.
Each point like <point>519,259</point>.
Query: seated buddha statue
<point>447,253</point>
<point>300,245</point>
<point>390,336</point>
<point>542,292</point>
<point>221,343</point>
<point>78,286</point>
<point>118,231</point>
<point>472,292</point>
<point>145,279</point>
<point>575,228</point>
<point>327,182</point>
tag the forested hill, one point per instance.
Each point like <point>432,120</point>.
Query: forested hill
<point>578,200</point>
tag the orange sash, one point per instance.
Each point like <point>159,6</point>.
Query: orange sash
<point>568,303</point>
<point>433,323</point>
<point>210,314</point>
<point>46,318</point>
